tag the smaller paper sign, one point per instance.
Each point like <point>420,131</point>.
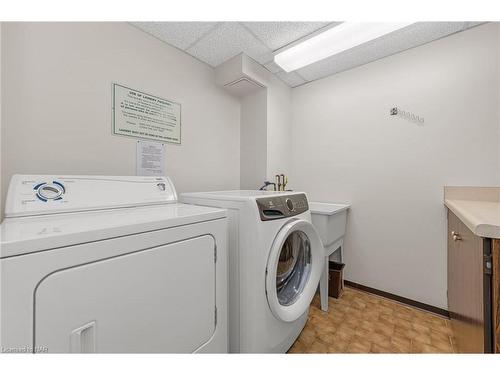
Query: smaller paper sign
<point>150,159</point>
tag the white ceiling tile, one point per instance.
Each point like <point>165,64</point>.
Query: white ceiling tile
<point>291,79</point>
<point>179,34</point>
<point>468,25</point>
<point>273,67</point>
<point>409,37</point>
<point>278,34</point>
<point>225,41</point>
<point>266,58</point>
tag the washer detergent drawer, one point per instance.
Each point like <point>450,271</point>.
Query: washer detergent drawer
<point>147,301</point>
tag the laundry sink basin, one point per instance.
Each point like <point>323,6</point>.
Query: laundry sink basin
<point>329,220</point>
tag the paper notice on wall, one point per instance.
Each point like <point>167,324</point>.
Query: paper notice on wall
<point>150,159</point>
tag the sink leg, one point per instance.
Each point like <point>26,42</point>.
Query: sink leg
<point>323,286</point>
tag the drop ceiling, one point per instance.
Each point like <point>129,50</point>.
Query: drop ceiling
<point>216,42</point>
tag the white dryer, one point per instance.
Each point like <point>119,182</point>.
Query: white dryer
<point>275,263</point>
<point>110,265</point>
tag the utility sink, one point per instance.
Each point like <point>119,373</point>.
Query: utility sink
<point>329,219</point>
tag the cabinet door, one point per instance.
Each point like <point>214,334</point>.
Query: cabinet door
<point>496,295</point>
<point>465,286</point>
<point>159,300</point>
<point>453,266</point>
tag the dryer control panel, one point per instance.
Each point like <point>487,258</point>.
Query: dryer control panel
<point>279,207</point>
<point>48,194</point>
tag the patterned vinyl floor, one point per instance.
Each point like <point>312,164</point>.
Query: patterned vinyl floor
<point>360,322</point>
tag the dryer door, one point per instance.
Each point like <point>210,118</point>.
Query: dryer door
<point>158,300</point>
<point>293,270</point>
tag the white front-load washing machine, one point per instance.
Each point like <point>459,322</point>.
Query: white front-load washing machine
<point>110,265</point>
<point>275,263</point>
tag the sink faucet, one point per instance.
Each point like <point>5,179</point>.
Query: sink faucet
<point>284,181</point>
<point>266,184</point>
<point>281,182</point>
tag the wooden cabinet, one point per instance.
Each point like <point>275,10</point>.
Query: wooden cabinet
<point>471,289</point>
<point>496,294</point>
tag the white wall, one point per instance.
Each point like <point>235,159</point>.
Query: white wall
<point>278,128</point>
<point>1,131</point>
<point>272,115</point>
<point>346,147</point>
<point>253,141</point>
<point>1,75</point>
<point>57,104</point>
<point>497,25</point>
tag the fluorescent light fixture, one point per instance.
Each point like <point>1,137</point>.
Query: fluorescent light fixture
<point>332,41</point>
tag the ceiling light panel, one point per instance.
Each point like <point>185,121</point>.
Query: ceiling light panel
<point>333,41</point>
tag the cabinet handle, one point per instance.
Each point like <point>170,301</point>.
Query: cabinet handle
<point>456,236</point>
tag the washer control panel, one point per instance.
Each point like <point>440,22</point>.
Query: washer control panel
<point>279,207</point>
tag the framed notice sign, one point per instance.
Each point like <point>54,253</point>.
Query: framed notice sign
<point>140,115</point>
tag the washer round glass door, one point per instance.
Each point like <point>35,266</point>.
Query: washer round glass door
<point>293,270</point>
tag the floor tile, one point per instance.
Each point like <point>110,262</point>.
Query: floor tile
<point>358,346</point>
<point>418,347</point>
<point>400,344</point>
<point>360,322</point>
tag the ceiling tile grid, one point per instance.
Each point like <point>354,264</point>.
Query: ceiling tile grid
<point>276,35</point>
<point>292,79</point>
<point>272,67</point>
<point>225,41</point>
<point>179,34</point>
<point>217,42</point>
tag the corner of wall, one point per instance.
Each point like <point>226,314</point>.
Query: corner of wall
<point>278,128</point>
<point>265,125</point>
<point>253,143</point>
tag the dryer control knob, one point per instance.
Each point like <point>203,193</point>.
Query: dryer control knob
<point>289,204</point>
<point>50,191</point>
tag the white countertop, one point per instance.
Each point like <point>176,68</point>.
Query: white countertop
<point>327,208</point>
<point>481,217</point>
<point>478,208</point>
